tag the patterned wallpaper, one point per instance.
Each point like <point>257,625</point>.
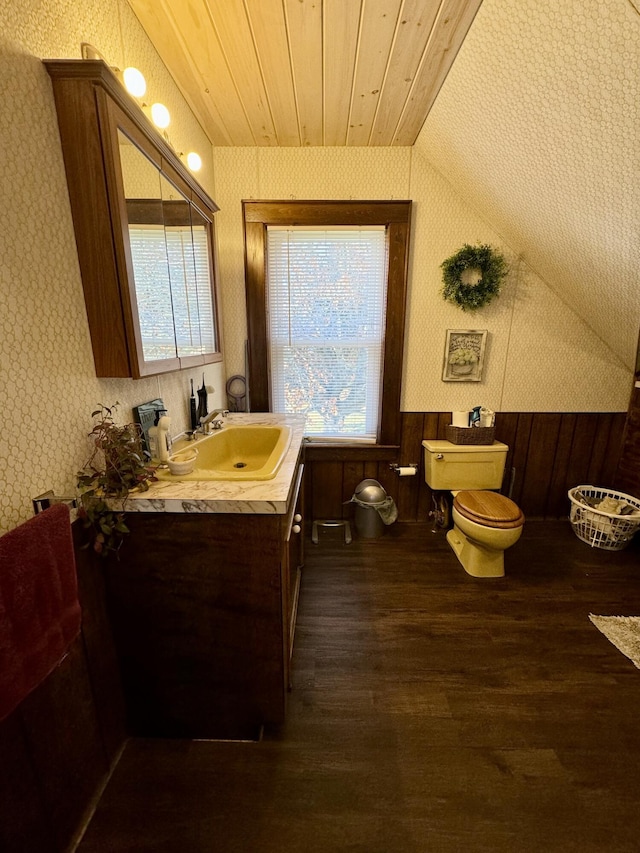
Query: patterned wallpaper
<point>540,354</point>
<point>48,386</point>
<point>538,127</point>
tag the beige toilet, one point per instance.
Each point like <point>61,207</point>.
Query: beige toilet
<point>485,523</point>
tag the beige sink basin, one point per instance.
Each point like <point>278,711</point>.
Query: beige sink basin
<point>249,452</point>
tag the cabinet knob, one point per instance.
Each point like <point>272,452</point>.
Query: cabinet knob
<point>297,517</point>
<point>296,528</point>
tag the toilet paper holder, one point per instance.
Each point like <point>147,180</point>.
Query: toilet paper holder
<point>404,470</point>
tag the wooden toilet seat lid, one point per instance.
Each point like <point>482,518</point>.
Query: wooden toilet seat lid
<point>489,509</point>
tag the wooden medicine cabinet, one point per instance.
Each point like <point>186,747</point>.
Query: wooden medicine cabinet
<point>144,230</point>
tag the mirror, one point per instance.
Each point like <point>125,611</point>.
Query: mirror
<point>185,257</point>
<point>143,194</point>
<point>201,233</point>
<point>169,241</point>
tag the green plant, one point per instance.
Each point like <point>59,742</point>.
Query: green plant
<point>489,267</point>
<point>117,465</point>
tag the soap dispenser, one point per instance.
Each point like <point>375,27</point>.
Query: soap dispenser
<point>164,438</point>
<point>158,435</point>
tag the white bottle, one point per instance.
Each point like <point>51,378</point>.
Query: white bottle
<point>164,442</point>
<point>159,439</point>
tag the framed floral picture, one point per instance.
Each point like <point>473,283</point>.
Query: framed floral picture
<point>464,355</point>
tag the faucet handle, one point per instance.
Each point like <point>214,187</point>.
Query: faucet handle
<point>219,415</point>
<point>213,420</point>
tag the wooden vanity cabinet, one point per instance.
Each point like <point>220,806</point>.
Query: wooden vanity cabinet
<point>146,314</point>
<point>203,612</point>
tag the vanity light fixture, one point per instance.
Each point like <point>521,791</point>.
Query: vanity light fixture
<point>160,115</point>
<point>134,82</point>
<point>194,161</point>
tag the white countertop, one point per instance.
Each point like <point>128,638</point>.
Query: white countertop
<point>261,497</point>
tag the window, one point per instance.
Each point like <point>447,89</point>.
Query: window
<point>326,287</point>
<point>325,306</point>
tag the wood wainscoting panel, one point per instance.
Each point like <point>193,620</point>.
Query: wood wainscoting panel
<point>557,498</point>
<point>549,453</point>
<point>65,745</point>
<point>59,745</point>
<point>627,477</point>
<point>411,439</point>
<point>25,826</point>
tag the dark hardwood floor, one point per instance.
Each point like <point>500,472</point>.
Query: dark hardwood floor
<point>430,712</point>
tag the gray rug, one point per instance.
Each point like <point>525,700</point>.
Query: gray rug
<point>623,632</point>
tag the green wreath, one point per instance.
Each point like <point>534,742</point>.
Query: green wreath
<point>491,267</point>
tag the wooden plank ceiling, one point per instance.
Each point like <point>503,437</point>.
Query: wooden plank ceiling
<point>308,72</point>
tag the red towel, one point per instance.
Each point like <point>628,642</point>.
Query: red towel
<point>39,608</point>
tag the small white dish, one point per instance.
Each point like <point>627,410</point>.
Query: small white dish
<point>183,462</point>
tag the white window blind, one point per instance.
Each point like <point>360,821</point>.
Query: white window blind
<point>153,291</point>
<point>173,288</point>
<point>190,289</point>
<point>326,295</point>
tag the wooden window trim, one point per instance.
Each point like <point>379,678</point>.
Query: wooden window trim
<point>396,217</point>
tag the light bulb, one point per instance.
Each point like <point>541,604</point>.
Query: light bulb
<point>160,115</point>
<point>134,82</point>
<point>194,161</point>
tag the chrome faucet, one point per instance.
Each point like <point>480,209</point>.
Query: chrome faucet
<point>214,420</point>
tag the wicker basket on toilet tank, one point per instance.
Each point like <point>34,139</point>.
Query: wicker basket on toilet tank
<point>470,435</point>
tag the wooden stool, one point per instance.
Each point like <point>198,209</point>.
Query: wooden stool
<point>331,523</point>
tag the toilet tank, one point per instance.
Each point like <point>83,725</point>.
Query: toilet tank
<point>449,466</point>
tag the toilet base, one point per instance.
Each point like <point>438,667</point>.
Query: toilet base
<point>476,560</point>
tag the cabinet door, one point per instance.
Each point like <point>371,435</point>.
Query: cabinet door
<point>294,556</point>
<point>204,274</point>
<point>168,256</point>
<point>148,266</point>
<point>188,235</point>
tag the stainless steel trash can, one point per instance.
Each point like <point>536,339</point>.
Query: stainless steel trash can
<point>367,518</point>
